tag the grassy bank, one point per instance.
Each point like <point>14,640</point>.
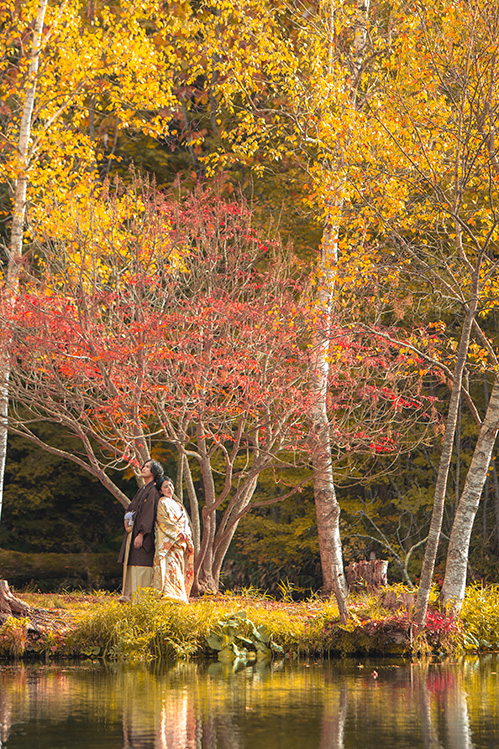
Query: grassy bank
<point>97,626</point>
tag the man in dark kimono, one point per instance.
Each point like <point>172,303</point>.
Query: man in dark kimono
<point>137,549</point>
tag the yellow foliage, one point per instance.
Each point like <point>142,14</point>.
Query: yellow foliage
<point>98,75</point>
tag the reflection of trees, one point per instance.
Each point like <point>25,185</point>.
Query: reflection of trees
<point>333,720</point>
<point>207,708</point>
<point>190,706</point>
<point>421,705</point>
<point>444,707</point>
<point>5,717</point>
<point>429,731</point>
<point>458,730</point>
<point>481,675</point>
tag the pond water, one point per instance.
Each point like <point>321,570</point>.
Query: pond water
<point>329,705</point>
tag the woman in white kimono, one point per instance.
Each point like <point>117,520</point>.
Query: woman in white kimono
<point>173,565</point>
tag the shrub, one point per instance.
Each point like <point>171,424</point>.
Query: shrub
<point>480,616</point>
<point>14,636</point>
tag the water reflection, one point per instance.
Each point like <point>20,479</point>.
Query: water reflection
<point>337,705</point>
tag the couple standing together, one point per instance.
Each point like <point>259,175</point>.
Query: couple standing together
<point>157,551</point>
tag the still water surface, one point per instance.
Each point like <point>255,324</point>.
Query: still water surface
<point>332,705</point>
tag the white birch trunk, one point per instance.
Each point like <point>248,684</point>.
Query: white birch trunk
<point>454,586</point>
<point>326,504</point>
<point>430,556</point>
<point>17,230</point>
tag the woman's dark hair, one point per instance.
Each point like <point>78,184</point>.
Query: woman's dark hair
<point>156,470</point>
<point>161,481</point>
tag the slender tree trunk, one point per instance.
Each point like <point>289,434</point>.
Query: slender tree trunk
<point>203,565</point>
<point>493,479</point>
<point>443,471</point>
<point>457,554</point>
<point>495,484</point>
<point>4,406</point>
<point>223,540</point>
<point>193,502</point>
<point>17,229</point>
<point>326,504</point>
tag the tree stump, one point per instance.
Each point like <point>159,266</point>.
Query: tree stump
<point>9,604</point>
<point>367,575</point>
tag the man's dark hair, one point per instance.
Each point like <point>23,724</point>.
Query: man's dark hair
<point>156,470</point>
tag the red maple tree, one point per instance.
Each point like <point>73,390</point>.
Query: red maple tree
<point>176,329</point>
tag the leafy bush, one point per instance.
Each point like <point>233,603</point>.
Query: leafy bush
<point>236,638</point>
<point>14,636</point>
<point>443,634</point>
<point>480,616</point>
<point>393,635</point>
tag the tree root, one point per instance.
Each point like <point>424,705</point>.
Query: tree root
<point>10,605</point>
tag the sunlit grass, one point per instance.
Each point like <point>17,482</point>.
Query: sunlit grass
<point>66,600</point>
<point>480,615</point>
<point>96,625</point>
<point>152,627</point>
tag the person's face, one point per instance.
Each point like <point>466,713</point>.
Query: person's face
<point>167,489</point>
<point>145,471</point>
